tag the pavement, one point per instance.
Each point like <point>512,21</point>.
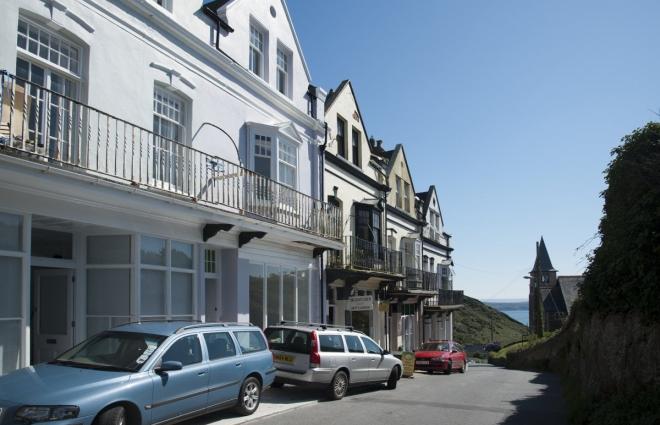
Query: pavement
<point>486,395</point>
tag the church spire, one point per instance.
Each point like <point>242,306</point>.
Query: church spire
<point>542,261</point>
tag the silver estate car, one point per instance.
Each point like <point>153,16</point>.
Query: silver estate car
<point>328,356</point>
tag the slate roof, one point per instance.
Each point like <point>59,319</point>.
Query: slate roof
<point>570,286</point>
<point>543,258</point>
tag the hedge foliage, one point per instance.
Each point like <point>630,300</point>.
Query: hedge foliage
<point>624,271</point>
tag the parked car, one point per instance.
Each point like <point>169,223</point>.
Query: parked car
<point>492,346</point>
<point>441,356</point>
<point>330,357</point>
<point>143,373</point>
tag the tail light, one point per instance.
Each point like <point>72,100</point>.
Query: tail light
<point>314,355</point>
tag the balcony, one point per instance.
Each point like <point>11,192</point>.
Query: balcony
<point>416,283</point>
<point>44,126</point>
<point>435,236</point>
<point>445,300</point>
<point>362,255</point>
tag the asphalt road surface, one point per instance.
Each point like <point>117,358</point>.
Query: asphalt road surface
<point>483,396</point>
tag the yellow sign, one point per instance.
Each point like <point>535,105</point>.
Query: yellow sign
<point>283,358</point>
<point>408,360</point>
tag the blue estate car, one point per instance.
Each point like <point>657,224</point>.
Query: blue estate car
<point>143,373</point>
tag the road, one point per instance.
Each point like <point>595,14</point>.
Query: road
<point>483,396</point>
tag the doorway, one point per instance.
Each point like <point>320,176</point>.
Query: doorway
<point>52,313</point>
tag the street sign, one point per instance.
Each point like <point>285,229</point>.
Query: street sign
<point>408,360</point>
<point>363,303</point>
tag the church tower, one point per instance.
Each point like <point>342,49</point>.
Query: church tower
<point>542,278</point>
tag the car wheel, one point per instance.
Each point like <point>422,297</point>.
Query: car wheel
<point>338,386</point>
<point>430,372</point>
<point>464,367</point>
<point>393,379</point>
<point>114,416</point>
<point>449,368</point>
<point>249,397</point>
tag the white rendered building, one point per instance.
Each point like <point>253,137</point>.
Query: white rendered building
<point>158,160</point>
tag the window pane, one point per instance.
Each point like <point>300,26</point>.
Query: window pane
<point>11,232</point>
<point>250,341</point>
<point>111,249</point>
<point>371,346</point>
<point>108,292</point>
<point>10,287</point>
<point>52,244</point>
<point>331,343</point>
<point>289,294</point>
<point>182,255</point>
<point>273,293</point>
<point>353,344</point>
<point>219,345</point>
<point>152,251</point>
<point>10,345</point>
<point>182,293</point>
<point>187,350</point>
<point>257,294</point>
<point>303,296</point>
<point>152,292</point>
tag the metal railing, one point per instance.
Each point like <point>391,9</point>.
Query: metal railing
<point>434,235</point>
<point>360,254</point>
<point>446,298</point>
<point>51,127</point>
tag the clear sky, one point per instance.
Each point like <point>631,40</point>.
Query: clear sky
<point>509,107</point>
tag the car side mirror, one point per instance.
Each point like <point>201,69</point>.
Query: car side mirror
<point>168,366</point>
<point>384,353</point>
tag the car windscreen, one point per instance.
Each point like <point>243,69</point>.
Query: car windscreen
<point>435,346</point>
<point>291,340</point>
<point>118,351</point>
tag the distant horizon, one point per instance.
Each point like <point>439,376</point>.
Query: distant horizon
<point>504,300</point>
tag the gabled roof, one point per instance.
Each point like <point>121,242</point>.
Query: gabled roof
<point>542,261</point>
<point>218,4</point>
<point>426,198</point>
<point>334,93</point>
<point>569,286</point>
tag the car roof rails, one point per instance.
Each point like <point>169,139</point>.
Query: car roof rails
<point>323,326</point>
<point>212,325</point>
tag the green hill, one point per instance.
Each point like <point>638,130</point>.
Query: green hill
<point>472,324</point>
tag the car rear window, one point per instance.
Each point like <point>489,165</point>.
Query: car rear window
<point>250,341</point>
<point>291,340</point>
<point>331,343</point>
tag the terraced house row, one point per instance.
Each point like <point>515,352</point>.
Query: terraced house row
<point>170,159</point>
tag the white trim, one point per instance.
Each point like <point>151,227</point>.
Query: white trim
<point>187,39</point>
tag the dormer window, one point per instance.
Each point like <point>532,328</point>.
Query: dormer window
<point>256,51</point>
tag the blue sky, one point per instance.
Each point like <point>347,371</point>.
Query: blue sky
<point>509,107</point>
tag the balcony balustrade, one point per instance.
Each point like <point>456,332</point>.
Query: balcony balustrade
<point>436,236</point>
<point>360,254</point>
<point>43,125</point>
<point>445,299</point>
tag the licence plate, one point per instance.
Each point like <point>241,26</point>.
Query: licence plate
<point>283,358</point>
<point>422,362</point>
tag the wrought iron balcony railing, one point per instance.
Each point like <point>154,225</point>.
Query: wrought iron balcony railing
<point>445,298</point>
<point>435,235</point>
<point>360,254</point>
<point>51,127</point>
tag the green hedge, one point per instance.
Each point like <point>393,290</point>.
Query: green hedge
<point>624,272</point>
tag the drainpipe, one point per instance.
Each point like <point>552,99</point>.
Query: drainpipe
<point>324,288</point>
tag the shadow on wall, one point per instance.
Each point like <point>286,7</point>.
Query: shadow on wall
<point>547,407</point>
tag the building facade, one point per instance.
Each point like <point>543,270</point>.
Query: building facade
<point>158,160</point>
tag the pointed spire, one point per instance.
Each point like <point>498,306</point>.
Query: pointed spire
<point>542,258</point>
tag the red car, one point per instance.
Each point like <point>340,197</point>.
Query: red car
<point>441,356</point>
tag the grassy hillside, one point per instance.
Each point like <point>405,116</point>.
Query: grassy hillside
<point>472,324</point>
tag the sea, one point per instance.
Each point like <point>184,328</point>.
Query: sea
<point>520,315</point>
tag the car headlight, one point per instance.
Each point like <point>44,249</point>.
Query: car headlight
<point>46,413</point>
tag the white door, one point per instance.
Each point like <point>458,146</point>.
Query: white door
<point>53,318</point>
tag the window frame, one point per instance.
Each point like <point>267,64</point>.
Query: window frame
<point>399,192</point>
<point>206,345</point>
<point>169,347</point>
<point>285,52</point>
<point>275,139</point>
<point>341,136</point>
<point>356,146</point>
<point>260,49</point>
